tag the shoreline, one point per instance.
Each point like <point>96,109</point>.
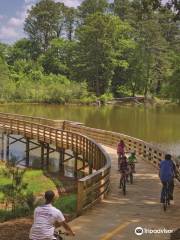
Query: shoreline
<point>113,102</point>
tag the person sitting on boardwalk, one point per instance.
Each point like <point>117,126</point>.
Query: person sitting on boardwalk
<point>45,218</point>
<point>123,169</point>
<point>131,161</point>
<point>166,174</point>
<point>120,151</point>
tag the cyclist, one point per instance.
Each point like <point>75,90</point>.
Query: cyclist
<point>120,151</point>
<point>123,169</point>
<point>167,173</point>
<point>46,217</point>
<point>131,161</point>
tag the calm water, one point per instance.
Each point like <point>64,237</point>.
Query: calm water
<point>159,125</point>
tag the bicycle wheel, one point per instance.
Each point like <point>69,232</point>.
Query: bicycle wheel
<point>131,178</point>
<point>124,185</point>
<point>165,202</point>
<point>166,197</point>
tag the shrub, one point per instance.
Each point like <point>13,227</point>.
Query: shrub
<point>106,97</point>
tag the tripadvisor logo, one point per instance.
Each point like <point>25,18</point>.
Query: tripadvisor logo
<point>139,231</point>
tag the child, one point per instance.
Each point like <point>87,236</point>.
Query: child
<point>123,169</point>
<point>120,151</point>
<point>131,161</point>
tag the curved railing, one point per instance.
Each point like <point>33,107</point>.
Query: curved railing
<point>90,188</point>
<point>144,150</point>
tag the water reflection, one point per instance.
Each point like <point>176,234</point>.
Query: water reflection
<point>17,151</point>
<point>159,125</point>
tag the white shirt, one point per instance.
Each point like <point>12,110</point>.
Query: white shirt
<point>44,218</point>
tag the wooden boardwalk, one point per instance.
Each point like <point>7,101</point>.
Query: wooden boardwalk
<point>117,216</point>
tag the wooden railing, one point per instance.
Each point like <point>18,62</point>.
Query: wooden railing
<point>94,186</point>
<point>90,188</point>
<point>43,121</point>
<point>143,150</point>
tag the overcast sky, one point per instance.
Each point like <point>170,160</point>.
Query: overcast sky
<point>13,13</point>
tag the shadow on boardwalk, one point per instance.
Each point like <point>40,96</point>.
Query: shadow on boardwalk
<point>118,215</point>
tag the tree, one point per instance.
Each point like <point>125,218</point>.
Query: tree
<point>44,22</point>
<point>70,22</point>
<point>3,50</point>
<point>169,28</point>
<point>174,6</point>
<point>59,56</point>
<point>4,76</point>
<point>89,7</point>
<point>152,55</point>
<point>14,191</point>
<point>102,42</point>
<point>122,8</point>
<point>23,49</point>
<point>173,83</point>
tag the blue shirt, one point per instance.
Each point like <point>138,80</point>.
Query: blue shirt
<point>166,170</point>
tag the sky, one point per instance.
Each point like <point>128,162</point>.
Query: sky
<point>12,16</point>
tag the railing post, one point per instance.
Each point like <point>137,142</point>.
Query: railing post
<point>2,150</point>
<point>42,155</point>
<point>75,164</point>
<point>47,156</point>
<point>27,152</point>
<point>7,146</point>
<point>80,197</point>
<point>90,158</point>
<point>61,159</point>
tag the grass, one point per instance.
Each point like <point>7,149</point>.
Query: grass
<point>38,183</point>
<point>67,204</point>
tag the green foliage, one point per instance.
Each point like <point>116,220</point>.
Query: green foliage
<point>44,22</point>
<point>173,89</point>
<point>89,99</point>
<point>58,57</point>
<point>123,91</point>
<point>23,49</point>
<point>89,7</point>
<point>102,41</point>
<point>18,212</point>
<point>106,97</point>
<point>13,192</point>
<point>124,47</point>
<point>67,204</point>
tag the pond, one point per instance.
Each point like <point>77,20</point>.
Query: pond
<point>155,124</point>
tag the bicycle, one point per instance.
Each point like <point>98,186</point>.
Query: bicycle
<point>165,197</point>
<point>58,235</point>
<point>123,183</point>
<point>131,173</point>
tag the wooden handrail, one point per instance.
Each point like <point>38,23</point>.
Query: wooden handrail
<point>144,150</point>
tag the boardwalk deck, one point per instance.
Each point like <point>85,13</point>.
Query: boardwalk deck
<point>117,217</point>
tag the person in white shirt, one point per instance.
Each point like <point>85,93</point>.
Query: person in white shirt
<point>46,217</point>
